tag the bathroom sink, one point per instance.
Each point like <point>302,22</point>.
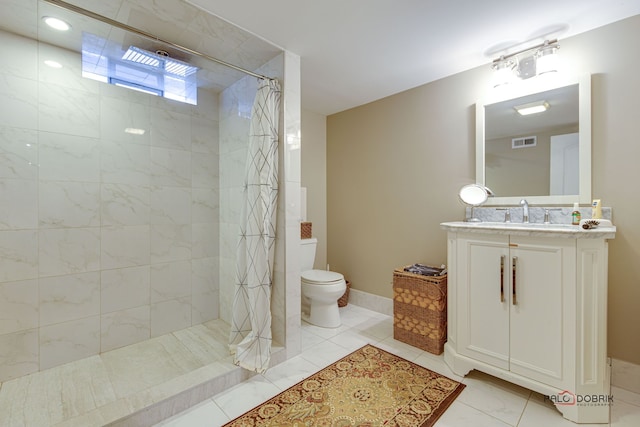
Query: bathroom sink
<point>534,225</point>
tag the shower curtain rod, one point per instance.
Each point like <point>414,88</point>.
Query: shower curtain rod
<point>134,30</point>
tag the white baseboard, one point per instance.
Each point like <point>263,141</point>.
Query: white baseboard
<point>625,375</point>
<point>371,302</point>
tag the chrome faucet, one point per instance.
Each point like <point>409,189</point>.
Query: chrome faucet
<point>507,214</point>
<point>546,214</point>
<point>525,211</point>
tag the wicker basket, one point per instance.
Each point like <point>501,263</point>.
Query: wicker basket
<point>344,299</point>
<point>305,230</point>
<point>420,310</point>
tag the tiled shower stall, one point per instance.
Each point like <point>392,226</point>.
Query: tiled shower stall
<point>109,238</point>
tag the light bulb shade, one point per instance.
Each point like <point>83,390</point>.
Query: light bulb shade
<point>503,72</point>
<point>547,60</point>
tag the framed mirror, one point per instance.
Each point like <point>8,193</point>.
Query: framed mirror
<point>543,157</point>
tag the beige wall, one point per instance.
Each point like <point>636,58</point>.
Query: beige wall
<point>515,172</point>
<point>314,178</point>
<point>394,168</point>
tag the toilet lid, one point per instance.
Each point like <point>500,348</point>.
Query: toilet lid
<point>321,277</point>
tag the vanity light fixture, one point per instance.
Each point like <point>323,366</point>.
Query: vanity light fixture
<point>503,68</point>
<point>56,23</point>
<point>526,63</point>
<point>547,58</point>
<point>532,108</point>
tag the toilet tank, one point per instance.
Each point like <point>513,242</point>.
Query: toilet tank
<point>307,253</point>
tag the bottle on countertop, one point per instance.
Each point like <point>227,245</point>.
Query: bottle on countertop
<point>596,209</point>
<point>575,215</point>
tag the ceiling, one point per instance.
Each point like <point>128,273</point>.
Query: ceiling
<point>357,51</point>
<point>172,20</point>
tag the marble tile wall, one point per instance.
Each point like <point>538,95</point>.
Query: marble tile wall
<point>557,214</point>
<point>235,111</point>
<point>106,238</point>
<point>288,314</point>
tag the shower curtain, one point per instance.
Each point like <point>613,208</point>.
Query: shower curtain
<point>250,338</point>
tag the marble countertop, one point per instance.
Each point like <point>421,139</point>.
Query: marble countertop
<point>531,229</point>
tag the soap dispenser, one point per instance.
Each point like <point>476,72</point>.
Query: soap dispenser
<point>575,215</point>
<point>596,209</point>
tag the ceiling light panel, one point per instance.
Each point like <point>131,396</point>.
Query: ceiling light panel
<point>532,108</point>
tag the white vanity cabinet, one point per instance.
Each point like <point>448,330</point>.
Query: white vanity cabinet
<point>529,306</point>
<point>513,289</point>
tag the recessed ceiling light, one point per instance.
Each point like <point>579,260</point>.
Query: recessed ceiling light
<point>52,64</point>
<point>56,24</point>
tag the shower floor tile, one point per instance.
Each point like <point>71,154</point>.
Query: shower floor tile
<point>147,364</point>
<point>207,341</point>
<point>102,388</point>
<point>51,396</point>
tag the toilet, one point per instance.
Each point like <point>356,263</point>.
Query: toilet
<point>321,288</point>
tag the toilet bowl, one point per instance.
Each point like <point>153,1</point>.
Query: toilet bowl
<point>321,288</point>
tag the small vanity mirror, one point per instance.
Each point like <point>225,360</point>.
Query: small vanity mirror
<point>544,157</point>
<point>474,195</point>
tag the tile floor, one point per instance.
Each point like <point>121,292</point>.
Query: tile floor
<point>485,402</point>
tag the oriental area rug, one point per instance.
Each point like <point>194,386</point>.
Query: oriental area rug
<point>368,388</point>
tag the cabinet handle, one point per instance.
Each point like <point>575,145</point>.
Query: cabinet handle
<point>514,299</point>
<point>502,278</point>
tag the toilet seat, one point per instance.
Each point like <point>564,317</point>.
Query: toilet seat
<point>321,277</point>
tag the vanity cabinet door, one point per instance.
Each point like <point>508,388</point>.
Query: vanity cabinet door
<point>483,298</point>
<point>515,304</point>
<point>542,308</point>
